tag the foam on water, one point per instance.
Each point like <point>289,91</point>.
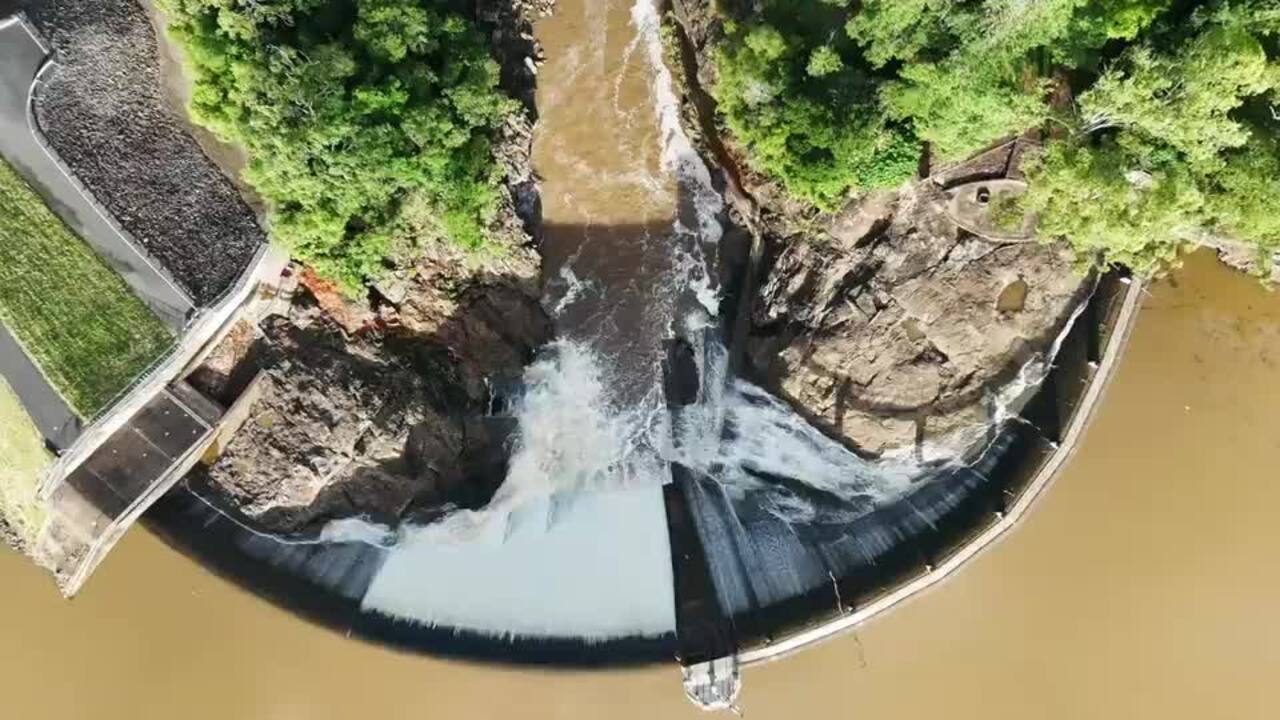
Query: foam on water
<point>681,159</point>
<point>762,440</point>
<point>570,438</point>
<point>678,154</point>
<point>574,290</point>
<point>574,541</point>
<point>594,571</point>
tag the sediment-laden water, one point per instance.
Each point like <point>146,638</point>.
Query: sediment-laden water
<point>574,546</point>
<point>1139,588</point>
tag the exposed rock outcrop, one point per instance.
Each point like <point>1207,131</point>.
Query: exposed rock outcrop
<point>390,419</point>
<point>887,324</point>
<point>1246,257</point>
<point>895,325</point>
<point>380,407</point>
<point>9,537</point>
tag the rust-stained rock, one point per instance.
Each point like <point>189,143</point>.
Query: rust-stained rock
<point>387,418</point>
<point>350,316</point>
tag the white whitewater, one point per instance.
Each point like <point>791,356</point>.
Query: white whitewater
<point>574,543</point>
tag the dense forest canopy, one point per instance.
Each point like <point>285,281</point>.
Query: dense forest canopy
<point>1160,115</point>
<point>368,123</point>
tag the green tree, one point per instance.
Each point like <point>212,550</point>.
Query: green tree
<point>823,61</point>
<point>1167,153</point>
<point>348,109</point>
<point>1172,136</point>
<point>891,30</point>
<point>1185,99</point>
<point>798,98</point>
<point>963,104</point>
<point>1244,198</point>
<point>1111,205</point>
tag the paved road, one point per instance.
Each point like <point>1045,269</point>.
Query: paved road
<point>21,57</point>
<point>53,418</point>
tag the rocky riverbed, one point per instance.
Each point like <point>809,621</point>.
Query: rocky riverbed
<point>894,327</point>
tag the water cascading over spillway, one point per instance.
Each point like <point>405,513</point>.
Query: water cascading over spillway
<point>573,549</point>
<point>630,240</point>
<point>574,542</point>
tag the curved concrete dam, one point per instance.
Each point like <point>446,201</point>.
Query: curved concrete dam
<point>1138,588</point>
<point>656,506</point>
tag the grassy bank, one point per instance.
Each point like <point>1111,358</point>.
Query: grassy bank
<point>22,457</point>
<point>79,320</point>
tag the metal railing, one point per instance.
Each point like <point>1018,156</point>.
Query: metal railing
<point>206,325</point>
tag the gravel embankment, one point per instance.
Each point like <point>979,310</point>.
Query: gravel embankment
<point>103,110</point>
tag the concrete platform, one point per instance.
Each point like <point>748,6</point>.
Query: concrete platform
<point>140,462</point>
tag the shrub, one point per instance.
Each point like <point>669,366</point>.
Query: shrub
<point>1100,200</point>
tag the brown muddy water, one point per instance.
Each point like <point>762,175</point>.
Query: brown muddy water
<point>608,203</point>
<point>1142,586</point>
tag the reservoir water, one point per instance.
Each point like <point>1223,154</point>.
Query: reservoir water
<point>1142,586</point>
<point>1147,563</point>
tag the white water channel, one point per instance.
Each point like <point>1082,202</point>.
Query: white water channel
<point>574,543</point>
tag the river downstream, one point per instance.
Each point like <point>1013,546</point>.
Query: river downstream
<point>1138,588</point>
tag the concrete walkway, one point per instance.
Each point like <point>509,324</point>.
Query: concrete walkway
<point>103,497</point>
<point>21,58</point>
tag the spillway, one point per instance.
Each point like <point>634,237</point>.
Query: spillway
<point>656,504</point>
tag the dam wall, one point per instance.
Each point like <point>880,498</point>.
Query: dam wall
<point>780,578</point>
<point>340,585</point>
